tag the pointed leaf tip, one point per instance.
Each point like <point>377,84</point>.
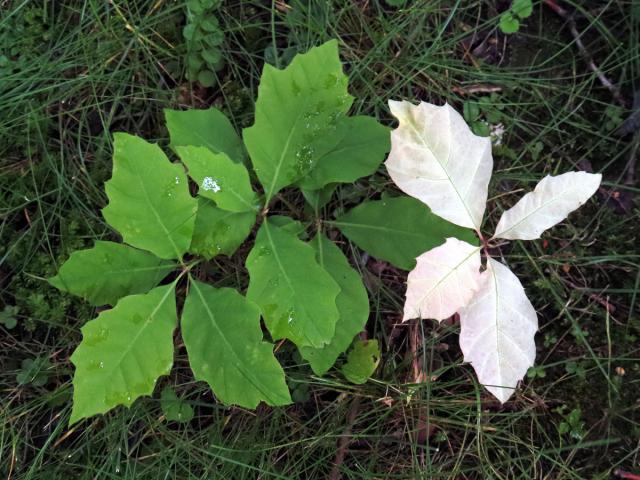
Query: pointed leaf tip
<point>436,158</point>
<point>497,331</point>
<point>553,199</point>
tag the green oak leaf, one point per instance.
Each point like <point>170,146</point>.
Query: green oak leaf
<point>398,229</point>
<point>123,352</point>
<point>221,330</point>
<point>219,232</point>
<point>109,271</point>
<point>220,179</point>
<point>175,409</point>
<point>352,303</point>
<point>297,112</point>
<point>204,128</point>
<point>362,361</point>
<point>149,200</point>
<point>359,152</point>
<point>296,295</point>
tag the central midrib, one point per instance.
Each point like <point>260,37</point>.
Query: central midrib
<point>238,363</point>
<point>455,189</point>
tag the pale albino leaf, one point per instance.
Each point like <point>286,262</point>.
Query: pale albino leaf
<point>497,331</point>
<point>437,159</point>
<point>553,199</point>
<point>443,281</point>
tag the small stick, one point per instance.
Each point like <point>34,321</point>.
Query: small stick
<point>608,84</point>
<point>345,439</point>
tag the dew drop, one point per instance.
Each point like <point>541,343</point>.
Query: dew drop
<point>295,88</point>
<point>209,184</point>
<point>330,81</point>
<point>177,180</point>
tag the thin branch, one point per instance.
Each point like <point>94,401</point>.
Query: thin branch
<point>569,18</point>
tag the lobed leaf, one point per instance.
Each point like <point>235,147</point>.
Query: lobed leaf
<point>220,179</point>
<point>497,331</point>
<point>123,352</point>
<point>221,330</point>
<point>438,160</point>
<point>208,128</point>
<point>445,279</point>
<point>109,271</point>
<point>219,232</point>
<point>297,112</point>
<point>175,409</point>
<point>362,361</point>
<point>296,295</point>
<point>363,145</point>
<point>397,229</point>
<point>553,199</point>
<point>352,303</point>
<point>149,200</point>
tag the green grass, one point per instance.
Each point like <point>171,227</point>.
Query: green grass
<point>85,69</point>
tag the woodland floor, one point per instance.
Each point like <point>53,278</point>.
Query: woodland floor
<point>74,71</point>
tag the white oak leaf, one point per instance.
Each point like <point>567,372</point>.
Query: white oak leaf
<point>438,160</point>
<point>497,331</point>
<point>553,199</point>
<point>444,280</point>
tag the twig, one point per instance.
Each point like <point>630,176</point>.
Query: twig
<point>345,439</point>
<point>568,17</point>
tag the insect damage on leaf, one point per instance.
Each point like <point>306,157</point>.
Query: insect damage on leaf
<point>438,160</point>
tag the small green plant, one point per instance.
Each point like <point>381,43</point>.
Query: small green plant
<point>481,114</point>
<point>537,371</point>
<point>204,37</point>
<point>510,20</point>
<point>577,369</point>
<point>34,371</point>
<point>305,291</point>
<point>571,424</point>
<point>8,317</point>
<point>175,409</point>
